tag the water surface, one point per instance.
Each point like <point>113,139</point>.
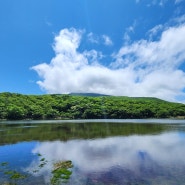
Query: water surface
<point>103,152</point>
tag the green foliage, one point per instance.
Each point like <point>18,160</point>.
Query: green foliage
<point>17,106</point>
<point>15,112</point>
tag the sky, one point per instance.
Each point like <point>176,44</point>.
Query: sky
<point>123,48</point>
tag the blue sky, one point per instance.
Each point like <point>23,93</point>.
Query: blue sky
<point>116,47</point>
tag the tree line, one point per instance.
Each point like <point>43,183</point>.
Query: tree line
<point>14,106</point>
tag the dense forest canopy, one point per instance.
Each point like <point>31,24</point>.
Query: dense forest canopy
<point>15,106</point>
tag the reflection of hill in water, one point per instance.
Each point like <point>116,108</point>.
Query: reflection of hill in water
<point>12,133</point>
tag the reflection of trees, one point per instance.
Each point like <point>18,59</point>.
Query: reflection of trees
<point>12,133</point>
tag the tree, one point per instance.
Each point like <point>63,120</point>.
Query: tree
<point>14,112</point>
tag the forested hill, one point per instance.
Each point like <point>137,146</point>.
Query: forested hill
<point>17,106</point>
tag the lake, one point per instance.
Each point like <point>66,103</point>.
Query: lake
<point>92,152</point>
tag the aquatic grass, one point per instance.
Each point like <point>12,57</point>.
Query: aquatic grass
<point>60,172</point>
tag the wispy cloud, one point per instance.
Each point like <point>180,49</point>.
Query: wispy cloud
<point>102,39</point>
<point>179,20</point>
<point>142,68</point>
<point>155,30</point>
<point>137,1</point>
<point>129,30</point>
<point>48,23</point>
<point>157,2</point>
<point>93,38</point>
<point>178,1</point>
<point>162,2</point>
<point>107,40</point>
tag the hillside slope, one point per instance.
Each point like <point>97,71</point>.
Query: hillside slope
<point>17,106</point>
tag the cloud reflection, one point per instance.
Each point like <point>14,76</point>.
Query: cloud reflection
<point>99,155</point>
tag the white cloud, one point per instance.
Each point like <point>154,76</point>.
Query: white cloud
<point>156,64</point>
<point>92,56</point>
<point>179,20</point>
<point>126,37</point>
<point>107,40</point>
<point>143,68</point>
<point>128,31</point>
<point>104,39</point>
<point>155,30</point>
<point>93,38</point>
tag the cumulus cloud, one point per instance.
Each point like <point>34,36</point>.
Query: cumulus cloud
<point>142,68</point>
<point>156,64</point>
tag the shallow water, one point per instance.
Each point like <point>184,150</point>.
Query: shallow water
<point>103,152</point>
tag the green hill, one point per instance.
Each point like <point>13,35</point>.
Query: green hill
<point>17,106</point>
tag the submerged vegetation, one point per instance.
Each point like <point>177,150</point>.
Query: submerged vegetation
<point>61,172</point>
<point>15,106</point>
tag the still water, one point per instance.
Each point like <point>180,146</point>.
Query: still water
<point>102,152</point>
